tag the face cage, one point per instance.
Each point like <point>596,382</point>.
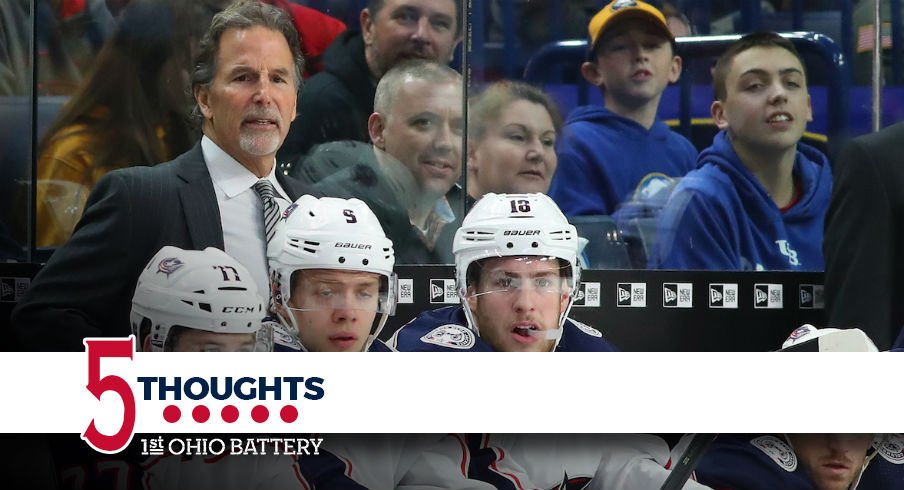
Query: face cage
<point>563,315</point>
<point>390,286</point>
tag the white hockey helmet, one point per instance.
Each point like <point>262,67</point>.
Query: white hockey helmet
<point>198,289</point>
<point>507,225</point>
<point>331,233</point>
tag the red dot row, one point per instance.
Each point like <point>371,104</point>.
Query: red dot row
<point>230,414</point>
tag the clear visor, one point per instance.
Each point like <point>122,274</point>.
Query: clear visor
<point>546,276</point>
<point>368,294</point>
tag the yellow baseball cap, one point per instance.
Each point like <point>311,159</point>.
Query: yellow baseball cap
<point>619,10</point>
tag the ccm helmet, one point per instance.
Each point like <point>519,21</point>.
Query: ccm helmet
<point>197,289</point>
<point>331,233</point>
<point>506,225</point>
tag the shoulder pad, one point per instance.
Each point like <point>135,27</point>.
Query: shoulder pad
<point>778,451</point>
<point>587,329</point>
<point>452,336</point>
<point>890,447</point>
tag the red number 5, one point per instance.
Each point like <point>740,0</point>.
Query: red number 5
<point>98,349</point>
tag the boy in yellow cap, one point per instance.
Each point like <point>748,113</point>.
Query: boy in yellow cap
<point>609,154</point>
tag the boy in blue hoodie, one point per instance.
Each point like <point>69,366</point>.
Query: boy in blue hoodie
<point>758,198</point>
<point>607,153</point>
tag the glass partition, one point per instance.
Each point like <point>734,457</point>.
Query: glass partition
<point>422,173</point>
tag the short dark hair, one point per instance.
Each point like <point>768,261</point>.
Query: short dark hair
<point>374,7</point>
<point>243,14</point>
<point>754,40</point>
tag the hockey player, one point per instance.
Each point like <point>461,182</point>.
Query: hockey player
<point>198,301</point>
<point>331,274</point>
<point>789,462</point>
<point>516,272</point>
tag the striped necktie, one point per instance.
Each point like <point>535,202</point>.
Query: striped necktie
<point>265,190</point>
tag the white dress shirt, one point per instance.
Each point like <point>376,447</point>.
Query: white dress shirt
<point>241,211</point>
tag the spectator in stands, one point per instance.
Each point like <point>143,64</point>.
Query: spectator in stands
<point>758,198</point>
<point>408,175</point>
<point>132,110</point>
<point>512,135</point>
<point>331,268</point>
<point>606,153</point>
<point>245,82</point>
<point>790,462</point>
<point>864,233</point>
<point>316,31</point>
<point>336,103</point>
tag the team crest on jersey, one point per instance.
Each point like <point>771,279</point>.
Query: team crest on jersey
<point>778,451</point>
<point>573,483</point>
<point>587,329</point>
<point>283,337</point>
<point>169,265</point>
<point>452,336</point>
<point>890,447</point>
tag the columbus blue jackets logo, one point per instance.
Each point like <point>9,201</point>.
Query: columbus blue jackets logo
<point>891,447</point>
<point>587,329</point>
<point>573,483</point>
<point>169,265</point>
<point>450,335</point>
<point>778,451</point>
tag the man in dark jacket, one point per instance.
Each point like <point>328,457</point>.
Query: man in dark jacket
<point>408,176</point>
<point>336,103</point>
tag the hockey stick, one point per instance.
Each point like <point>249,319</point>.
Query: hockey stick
<point>682,470</point>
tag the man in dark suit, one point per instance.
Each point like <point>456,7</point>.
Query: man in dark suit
<point>245,83</point>
<point>864,238</point>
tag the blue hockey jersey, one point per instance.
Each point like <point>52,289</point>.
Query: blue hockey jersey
<point>720,217</point>
<point>752,462</point>
<point>886,470</point>
<point>445,329</point>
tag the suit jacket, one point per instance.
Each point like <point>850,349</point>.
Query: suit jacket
<point>864,237</point>
<point>86,288</point>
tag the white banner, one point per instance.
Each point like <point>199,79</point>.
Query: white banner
<point>455,392</point>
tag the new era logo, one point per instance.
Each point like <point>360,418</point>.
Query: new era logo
<point>767,296</point>
<point>588,294</point>
<point>443,291</point>
<point>632,295</point>
<point>723,295</point>
<point>406,291</point>
<point>677,295</point>
<point>811,296</point>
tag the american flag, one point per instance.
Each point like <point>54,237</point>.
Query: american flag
<point>866,34</point>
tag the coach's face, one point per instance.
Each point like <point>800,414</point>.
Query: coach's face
<point>251,100</point>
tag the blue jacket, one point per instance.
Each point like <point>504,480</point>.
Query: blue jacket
<point>445,329</point>
<point>721,217</point>
<point>604,157</point>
